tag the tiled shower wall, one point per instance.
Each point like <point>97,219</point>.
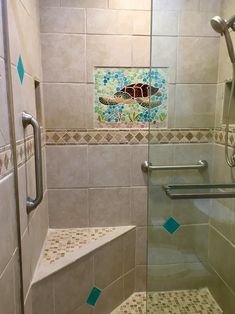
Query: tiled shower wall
<point>222,221</point>
<point>102,184</point>
<point>24,37</point>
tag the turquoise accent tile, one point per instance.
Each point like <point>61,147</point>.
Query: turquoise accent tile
<point>94,296</point>
<point>20,69</point>
<point>171,225</point>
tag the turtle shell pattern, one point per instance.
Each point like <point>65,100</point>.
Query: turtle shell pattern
<point>139,90</point>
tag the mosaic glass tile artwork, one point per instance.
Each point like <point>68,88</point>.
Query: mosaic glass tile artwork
<point>20,69</point>
<point>93,296</point>
<point>62,241</point>
<point>171,225</point>
<point>131,97</point>
<point>170,302</point>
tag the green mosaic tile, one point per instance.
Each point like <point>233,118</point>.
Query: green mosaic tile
<point>131,97</point>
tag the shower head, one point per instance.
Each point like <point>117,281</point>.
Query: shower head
<point>222,26</point>
<point>219,24</point>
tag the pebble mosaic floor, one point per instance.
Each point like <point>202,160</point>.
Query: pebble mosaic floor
<point>171,302</point>
<point>62,241</point>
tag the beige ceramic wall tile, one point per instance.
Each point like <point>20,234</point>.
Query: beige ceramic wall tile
<point>109,165</point>
<point>140,51</point>
<point>141,246</point>
<point>24,29</point>
<point>141,22</point>
<point>24,100</point>
<point>112,297</point>
<point>85,3</point>
<point>139,206</point>
<point>7,217</point>
<point>90,92</point>
<point>177,277</point>
<point>63,58</point>
<point>129,284</point>
<point>195,105</point>
<point>1,34</point>
<point>70,278</point>
<point>197,60</point>
<point>130,4</point>
<point>188,245</point>
<point>67,166</point>
<point>221,216</point>
<point>84,309</point>
<point>140,278</point>
<point>201,24</point>
<point>225,67</point>
<point>49,3</point>
<point>26,258</point>
<point>139,153</point>
<point>108,263</point>
<point>109,207</point>
<point>184,5</point>
<point>129,248</point>
<point>4,123</point>
<point>211,5</point>
<point>7,304</point>
<point>43,297</point>
<point>108,51</point>
<point>68,208</point>
<point>165,23</point>
<point>164,54</point>
<point>218,247</point>
<point>65,105</point>
<point>102,22</point>
<point>62,20</point>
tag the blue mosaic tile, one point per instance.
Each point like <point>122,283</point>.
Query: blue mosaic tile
<point>131,97</point>
<point>94,296</point>
<point>171,225</point>
<point>20,69</point>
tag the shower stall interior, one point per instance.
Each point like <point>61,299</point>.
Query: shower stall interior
<point>117,156</point>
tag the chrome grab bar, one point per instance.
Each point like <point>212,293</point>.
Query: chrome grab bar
<point>147,166</point>
<point>202,195</point>
<point>28,119</point>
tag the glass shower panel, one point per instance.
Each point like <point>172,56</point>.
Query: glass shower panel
<point>183,268</point>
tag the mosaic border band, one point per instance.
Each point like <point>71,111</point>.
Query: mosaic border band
<point>24,150</point>
<point>219,136</point>
<point>127,136</point>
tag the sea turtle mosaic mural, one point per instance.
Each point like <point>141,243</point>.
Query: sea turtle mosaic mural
<point>131,97</point>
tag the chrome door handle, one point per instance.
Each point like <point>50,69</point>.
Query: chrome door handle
<point>28,119</point>
<point>147,166</point>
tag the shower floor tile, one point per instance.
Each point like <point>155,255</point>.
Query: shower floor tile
<point>62,241</point>
<point>171,302</point>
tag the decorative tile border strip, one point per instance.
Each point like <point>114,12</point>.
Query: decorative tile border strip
<point>219,136</point>
<point>25,150</point>
<point>127,136</point>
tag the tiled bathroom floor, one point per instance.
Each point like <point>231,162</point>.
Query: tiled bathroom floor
<point>172,302</point>
<point>62,241</point>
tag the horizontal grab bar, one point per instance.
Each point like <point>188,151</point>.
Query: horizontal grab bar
<point>147,166</point>
<point>202,195</point>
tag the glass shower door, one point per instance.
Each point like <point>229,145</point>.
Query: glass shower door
<point>185,271</point>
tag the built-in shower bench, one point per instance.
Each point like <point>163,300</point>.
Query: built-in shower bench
<point>79,263</point>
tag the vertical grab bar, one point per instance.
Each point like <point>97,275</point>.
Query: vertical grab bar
<point>28,119</point>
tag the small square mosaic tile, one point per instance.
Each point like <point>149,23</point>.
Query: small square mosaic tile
<point>62,241</point>
<point>170,302</point>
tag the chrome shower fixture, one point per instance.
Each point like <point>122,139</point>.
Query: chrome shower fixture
<point>222,27</point>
